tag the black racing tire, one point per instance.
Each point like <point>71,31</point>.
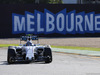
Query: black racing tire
<point>11,56</point>
<point>48,55</point>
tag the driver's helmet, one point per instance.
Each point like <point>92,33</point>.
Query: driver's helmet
<point>29,38</point>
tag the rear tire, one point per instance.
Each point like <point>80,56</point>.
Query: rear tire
<point>48,55</point>
<point>11,56</point>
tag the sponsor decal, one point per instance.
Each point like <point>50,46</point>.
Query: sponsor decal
<point>62,22</point>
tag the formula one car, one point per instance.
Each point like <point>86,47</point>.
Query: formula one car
<point>29,51</point>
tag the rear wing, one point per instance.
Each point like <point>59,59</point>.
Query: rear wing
<point>35,38</point>
<point>24,38</point>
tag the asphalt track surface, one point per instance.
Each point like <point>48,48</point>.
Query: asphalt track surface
<point>63,64</point>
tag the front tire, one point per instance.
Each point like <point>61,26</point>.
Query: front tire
<point>48,55</point>
<point>11,56</point>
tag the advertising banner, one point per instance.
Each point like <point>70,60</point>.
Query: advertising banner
<point>50,20</point>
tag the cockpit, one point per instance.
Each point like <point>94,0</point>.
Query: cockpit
<point>29,43</point>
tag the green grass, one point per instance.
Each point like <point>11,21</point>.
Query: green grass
<point>77,48</point>
<point>6,45</point>
<point>64,47</point>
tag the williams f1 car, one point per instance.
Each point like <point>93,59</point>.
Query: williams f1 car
<point>29,51</point>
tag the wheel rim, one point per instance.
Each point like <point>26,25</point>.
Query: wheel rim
<point>11,59</point>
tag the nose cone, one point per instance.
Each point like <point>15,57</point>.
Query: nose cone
<point>29,53</point>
